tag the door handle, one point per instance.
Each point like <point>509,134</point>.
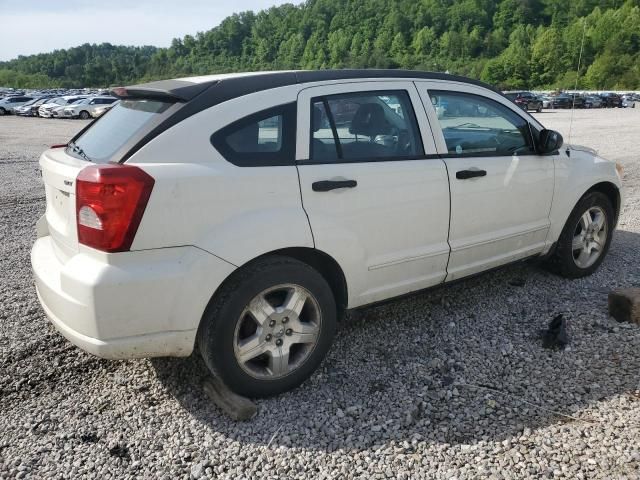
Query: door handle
<point>326,185</point>
<point>465,174</point>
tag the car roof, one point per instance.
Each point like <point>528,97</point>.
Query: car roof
<point>232,85</point>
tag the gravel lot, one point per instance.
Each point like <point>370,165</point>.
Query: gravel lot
<point>452,383</point>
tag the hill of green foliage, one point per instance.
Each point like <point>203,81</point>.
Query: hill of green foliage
<point>508,43</point>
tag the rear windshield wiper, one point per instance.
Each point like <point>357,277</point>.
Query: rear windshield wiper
<point>76,149</point>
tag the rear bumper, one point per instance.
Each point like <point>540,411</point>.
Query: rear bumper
<point>127,305</point>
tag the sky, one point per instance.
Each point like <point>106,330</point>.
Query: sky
<point>38,26</point>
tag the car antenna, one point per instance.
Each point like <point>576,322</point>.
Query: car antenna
<point>573,97</point>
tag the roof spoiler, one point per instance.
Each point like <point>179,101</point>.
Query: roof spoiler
<point>164,90</point>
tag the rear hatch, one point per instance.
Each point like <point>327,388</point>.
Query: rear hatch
<point>59,171</point>
<point>106,140</point>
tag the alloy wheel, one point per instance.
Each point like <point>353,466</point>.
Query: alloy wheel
<point>277,331</point>
<point>590,237</point>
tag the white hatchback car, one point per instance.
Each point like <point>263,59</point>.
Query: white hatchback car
<point>246,212</point>
<point>85,109</point>
<point>46,110</point>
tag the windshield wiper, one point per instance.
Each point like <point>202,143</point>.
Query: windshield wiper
<point>76,149</point>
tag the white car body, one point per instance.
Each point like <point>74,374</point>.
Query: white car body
<point>45,110</point>
<point>86,107</point>
<point>546,102</point>
<point>628,101</point>
<point>102,109</point>
<point>409,224</point>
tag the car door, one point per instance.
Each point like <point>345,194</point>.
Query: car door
<point>374,190</point>
<point>501,190</point>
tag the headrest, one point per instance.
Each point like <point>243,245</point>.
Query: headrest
<point>369,120</point>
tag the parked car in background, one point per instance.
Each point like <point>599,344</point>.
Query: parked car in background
<point>628,101</point>
<point>46,109</point>
<point>561,101</point>
<point>102,109</point>
<point>25,108</point>
<point>568,100</point>
<point>30,109</point>
<point>525,100</point>
<point>7,104</point>
<point>56,112</point>
<point>611,100</point>
<point>546,101</point>
<point>83,109</point>
<point>230,212</point>
<point>592,101</point>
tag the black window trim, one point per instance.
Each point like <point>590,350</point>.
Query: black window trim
<point>284,157</point>
<point>324,99</point>
<point>334,128</point>
<point>530,137</point>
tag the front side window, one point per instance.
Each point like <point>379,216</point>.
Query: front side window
<point>265,138</point>
<point>364,126</point>
<point>474,125</point>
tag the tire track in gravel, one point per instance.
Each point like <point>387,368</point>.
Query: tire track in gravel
<point>44,365</point>
<point>15,202</point>
<point>10,162</point>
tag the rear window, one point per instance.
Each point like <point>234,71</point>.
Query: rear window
<point>266,138</point>
<point>129,119</point>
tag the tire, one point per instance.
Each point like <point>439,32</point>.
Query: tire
<point>227,324</point>
<point>84,115</point>
<point>2,111</point>
<point>539,109</point>
<point>564,261</point>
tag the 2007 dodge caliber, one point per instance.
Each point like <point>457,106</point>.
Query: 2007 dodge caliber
<point>246,212</point>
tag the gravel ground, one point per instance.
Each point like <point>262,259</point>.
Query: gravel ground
<point>452,383</point>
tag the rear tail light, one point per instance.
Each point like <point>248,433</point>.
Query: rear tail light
<point>110,201</point>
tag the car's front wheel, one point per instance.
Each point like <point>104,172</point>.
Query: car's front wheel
<point>585,238</point>
<point>269,327</point>
<point>2,111</point>
<point>84,115</point>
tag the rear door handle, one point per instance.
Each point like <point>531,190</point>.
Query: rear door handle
<point>327,185</point>
<point>465,174</point>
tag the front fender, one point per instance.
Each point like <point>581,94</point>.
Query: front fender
<point>575,174</point>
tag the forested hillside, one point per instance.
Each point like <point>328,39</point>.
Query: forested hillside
<point>509,43</point>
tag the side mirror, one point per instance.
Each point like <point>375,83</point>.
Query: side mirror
<point>550,141</point>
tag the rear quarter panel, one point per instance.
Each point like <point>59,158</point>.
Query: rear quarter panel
<point>201,199</point>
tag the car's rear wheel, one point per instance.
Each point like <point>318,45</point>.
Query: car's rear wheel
<point>539,109</point>
<point>269,327</point>
<point>2,111</point>
<point>585,238</point>
<point>84,115</point>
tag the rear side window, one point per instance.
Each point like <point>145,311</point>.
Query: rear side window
<point>128,119</point>
<point>364,126</point>
<point>266,138</point>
